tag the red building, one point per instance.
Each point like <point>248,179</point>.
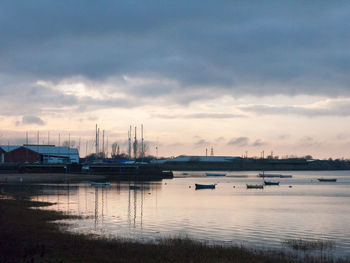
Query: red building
<point>21,154</point>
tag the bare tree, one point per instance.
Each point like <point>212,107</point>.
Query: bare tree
<point>146,148</point>
<point>68,144</point>
<point>114,148</point>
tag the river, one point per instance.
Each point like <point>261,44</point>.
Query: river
<point>301,207</point>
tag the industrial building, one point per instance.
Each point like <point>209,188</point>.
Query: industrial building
<point>29,153</point>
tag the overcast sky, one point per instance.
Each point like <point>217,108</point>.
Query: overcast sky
<point>233,75</point>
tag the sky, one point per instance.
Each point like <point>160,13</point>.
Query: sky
<point>242,77</point>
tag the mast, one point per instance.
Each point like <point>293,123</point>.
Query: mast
<point>107,146</point>
<point>129,138</point>
<point>142,153</point>
<point>96,141</point>
<point>103,143</point>
<point>135,144</point>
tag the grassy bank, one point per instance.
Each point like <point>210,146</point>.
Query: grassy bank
<point>28,235</point>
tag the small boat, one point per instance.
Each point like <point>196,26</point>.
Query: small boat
<point>274,175</point>
<point>271,183</point>
<point>134,187</point>
<point>327,179</point>
<point>205,186</point>
<point>100,183</point>
<point>286,176</point>
<point>255,186</point>
<point>269,175</point>
<point>215,174</point>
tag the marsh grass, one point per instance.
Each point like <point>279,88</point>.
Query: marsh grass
<point>301,244</point>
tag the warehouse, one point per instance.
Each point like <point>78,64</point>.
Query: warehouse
<point>29,153</point>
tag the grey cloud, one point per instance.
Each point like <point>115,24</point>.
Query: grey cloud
<point>202,115</point>
<point>258,143</point>
<point>245,141</point>
<point>28,120</point>
<point>308,141</point>
<point>284,136</point>
<point>201,143</point>
<point>232,48</point>
<point>240,141</point>
<point>337,107</point>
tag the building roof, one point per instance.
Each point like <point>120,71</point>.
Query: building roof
<point>9,148</point>
<point>53,150</point>
<point>43,149</point>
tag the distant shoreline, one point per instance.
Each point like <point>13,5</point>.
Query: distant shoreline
<point>25,178</point>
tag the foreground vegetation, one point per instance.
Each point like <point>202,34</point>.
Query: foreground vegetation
<point>28,235</point>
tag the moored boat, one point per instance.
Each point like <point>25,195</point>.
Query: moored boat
<point>327,179</point>
<point>134,187</point>
<point>255,186</point>
<point>100,183</point>
<point>205,186</point>
<point>215,174</point>
<point>271,183</point>
<point>269,175</point>
<point>285,176</point>
<point>263,175</point>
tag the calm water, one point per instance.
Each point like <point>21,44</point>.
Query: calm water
<point>229,215</point>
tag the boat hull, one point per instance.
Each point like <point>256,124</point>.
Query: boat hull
<point>255,186</point>
<point>100,183</point>
<point>271,183</point>
<point>215,174</point>
<point>205,186</point>
<point>327,180</point>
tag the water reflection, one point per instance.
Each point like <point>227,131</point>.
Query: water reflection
<point>230,214</point>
